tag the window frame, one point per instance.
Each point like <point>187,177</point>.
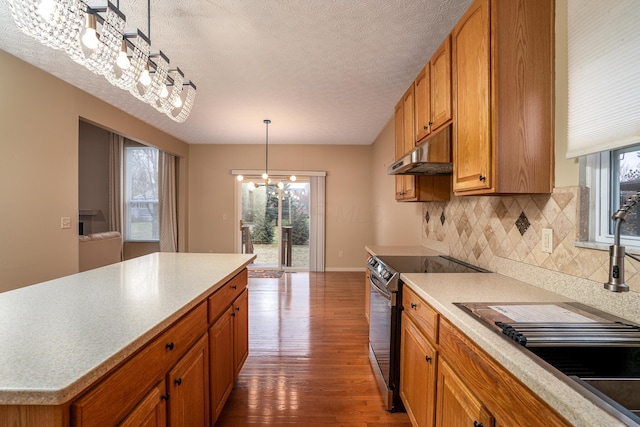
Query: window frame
<point>127,201</point>
<point>604,198</point>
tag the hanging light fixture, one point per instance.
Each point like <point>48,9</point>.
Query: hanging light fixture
<point>94,37</point>
<point>265,175</point>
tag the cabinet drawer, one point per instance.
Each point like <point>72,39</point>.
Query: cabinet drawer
<point>425,317</point>
<point>118,393</point>
<point>224,297</point>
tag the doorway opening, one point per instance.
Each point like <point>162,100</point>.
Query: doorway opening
<point>281,222</point>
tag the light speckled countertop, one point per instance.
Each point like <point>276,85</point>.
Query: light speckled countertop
<point>57,337</point>
<point>441,290</point>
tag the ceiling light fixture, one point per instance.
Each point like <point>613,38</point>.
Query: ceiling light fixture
<point>95,38</point>
<point>265,175</point>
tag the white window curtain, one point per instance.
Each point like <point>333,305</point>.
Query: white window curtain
<point>317,223</point>
<point>116,148</point>
<point>167,200</point>
<point>604,75</point>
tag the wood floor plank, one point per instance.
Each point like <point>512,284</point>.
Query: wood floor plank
<point>308,361</point>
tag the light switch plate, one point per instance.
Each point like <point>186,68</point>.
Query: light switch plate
<point>65,222</point>
<point>547,240</point>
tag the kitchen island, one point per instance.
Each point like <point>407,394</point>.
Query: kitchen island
<point>60,338</point>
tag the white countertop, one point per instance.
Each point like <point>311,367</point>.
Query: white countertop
<point>441,290</point>
<point>59,336</point>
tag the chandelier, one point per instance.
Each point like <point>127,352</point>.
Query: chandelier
<point>95,38</point>
<point>265,175</point>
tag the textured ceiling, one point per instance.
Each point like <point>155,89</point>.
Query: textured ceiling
<point>323,71</point>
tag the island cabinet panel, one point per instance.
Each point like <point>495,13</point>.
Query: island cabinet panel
<point>120,391</point>
<point>221,361</point>
<point>151,411</point>
<point>32,415</point>
<point>188,384</point>
<point>508,400</point>
<point>224,297</point>
<point>240,332</point>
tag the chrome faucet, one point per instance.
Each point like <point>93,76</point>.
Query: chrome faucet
<point>616,252</point>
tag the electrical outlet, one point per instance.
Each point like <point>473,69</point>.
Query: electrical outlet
<point>547,240</point>
<point>65,222</point>
<point>432,226</point>
<point>224,217</point>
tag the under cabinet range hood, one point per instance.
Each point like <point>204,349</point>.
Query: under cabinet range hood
<point>433,157</point>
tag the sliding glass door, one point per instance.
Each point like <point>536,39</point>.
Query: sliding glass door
<point>274,223</point>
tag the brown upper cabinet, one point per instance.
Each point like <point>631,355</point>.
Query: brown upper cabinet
<point>433,93</point>
<point>414,188</point>
<point>503,94</point>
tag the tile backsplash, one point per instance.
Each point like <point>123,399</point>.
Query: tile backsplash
<point>479,229</point>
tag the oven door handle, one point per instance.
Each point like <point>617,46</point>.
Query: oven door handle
<point>389,297</point>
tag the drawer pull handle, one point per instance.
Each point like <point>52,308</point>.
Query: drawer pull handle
<point>165,397</point>
<point>169,346</point>
<point>427,358</point>
<point>178,381</point>
<point>414,306</point>
<point>482,178</point>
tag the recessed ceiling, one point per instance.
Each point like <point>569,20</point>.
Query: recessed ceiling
<point>323,71</point>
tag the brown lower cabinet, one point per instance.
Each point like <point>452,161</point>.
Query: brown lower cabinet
<point>447,381</point>
<point>180,378</point>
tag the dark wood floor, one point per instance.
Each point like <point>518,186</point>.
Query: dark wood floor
<point>308,359</point>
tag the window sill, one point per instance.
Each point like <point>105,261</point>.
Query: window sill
<point>142,241</point>
<point>605,247</point>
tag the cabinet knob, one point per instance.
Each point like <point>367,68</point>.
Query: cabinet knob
<point>482,178</point>
<point>165,396</point>
<point>237,308</point>
<point>178,381</point>
<point>428,358</point>
<point>233,314</point>
<point>430,123</point>
<point>234,287</point>
<point>477,424</point>
<point>426,127</point>
<point>169,346</point>
<point>414,306</point>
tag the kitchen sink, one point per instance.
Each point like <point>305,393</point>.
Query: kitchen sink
<point>621,394</point>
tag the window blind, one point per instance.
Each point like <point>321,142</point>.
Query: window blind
<point>604,75</point>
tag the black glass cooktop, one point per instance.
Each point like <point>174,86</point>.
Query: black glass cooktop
<point>429,264</point>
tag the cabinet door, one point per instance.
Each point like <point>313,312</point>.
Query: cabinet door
<point>423,104</point>
<point>151,411</point>
<point>399,145</point>
<point>188,384</point>
<point>221,361</point>
<point>240,331</point>
<point>471,81</point>
<point>457,406</point>
<point>440,86</point>
<point>408,105</point>
<point>418,361</point>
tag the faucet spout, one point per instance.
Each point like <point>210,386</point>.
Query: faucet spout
<point>616,251</point>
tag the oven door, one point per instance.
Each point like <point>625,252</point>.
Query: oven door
<point>382,310</point>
